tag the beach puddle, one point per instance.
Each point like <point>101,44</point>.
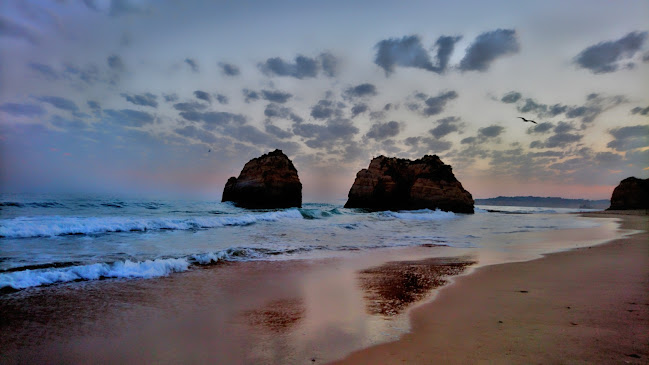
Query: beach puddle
<point>393,286</point>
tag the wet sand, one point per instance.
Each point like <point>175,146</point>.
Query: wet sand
<point>249,312</point>
<point>315,311</point>
<point>588,305</point>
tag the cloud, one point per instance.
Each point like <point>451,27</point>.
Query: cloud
<point>192,64</point>
<point>324,109</point>
<point>488,47</point>
<point>609,159</point>
<point>564,127</point>
<point>248,133</point>
<point>511,97</point>
<point>191,106</point>
<point>605,57</point>
<point>595,105</point>
<point>436,104</point>
<point>214,119</point>
<point>359,91</point>
<point>435,145</point>
<point>222,99</point>
<point>129,117</point>
<point>381,131</point>
<point>543,127</point>
<point>68,124</point>
<point>562,140</point>
<point>22,110</point>
<point>408,51</point>
<point>641,111</point>
<point>229,69</point>
<point>469,140</point>
<point>629,138</point>
<point>116,8</point>
<point>275,96</point>
<point>445,126</point>
<point>276,131</point>
<point>359,109</point>
<point>422,145</point>
<point>329,64</point>
<point>445,46</point>
<point>331,135</point>
<point>94,105</point>
<point>542,110</point>
<point>523,165</point>
<point>277,111</point>
<point>116,63</point>
<point>302,68</point>
<point>202,95</point>
<point>170,98</point>
<point>250,95</point>
<point>59,103</point>
<point>89,74</point>
<point>197,133</point>
<point>490,131</point>
<point>537,144</point>
<point>45,70</point>
<point>14,30</point>
<point>146,99</point>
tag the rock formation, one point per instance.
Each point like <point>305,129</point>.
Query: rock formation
<point>631,193</point>
<point>400,184</point>
<point>269,181</point>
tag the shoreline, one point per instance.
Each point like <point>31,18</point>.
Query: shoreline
<point>583,305</point>
<point>267,311</point>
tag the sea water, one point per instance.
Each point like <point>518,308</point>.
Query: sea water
<point>51,239</point>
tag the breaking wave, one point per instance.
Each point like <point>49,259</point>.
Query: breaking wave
<point>38,275</point>
<point>120,269</point>
<point>422,215</point>
<point>44,226</point>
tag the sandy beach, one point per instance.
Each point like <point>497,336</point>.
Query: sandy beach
<point>587,305</point>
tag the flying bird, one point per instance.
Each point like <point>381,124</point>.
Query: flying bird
<point>528,120</point>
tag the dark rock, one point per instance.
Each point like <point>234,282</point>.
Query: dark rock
<point>269,181</point>
<point>401,184</point>
<point>631,193</point>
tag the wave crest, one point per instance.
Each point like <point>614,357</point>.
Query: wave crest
<point>421,215</point>
<point>44,226</point>
<point>120,269</point>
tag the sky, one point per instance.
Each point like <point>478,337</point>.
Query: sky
<point>174,97</point>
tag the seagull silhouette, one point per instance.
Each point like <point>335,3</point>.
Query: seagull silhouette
<point>528,120</point>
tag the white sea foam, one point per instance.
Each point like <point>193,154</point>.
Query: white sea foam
<point>120,269</point>
<point>132,269</point>
<point>57,225</point>
<point>422,215</point>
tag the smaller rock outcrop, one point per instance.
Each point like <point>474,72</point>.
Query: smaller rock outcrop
<point>631,193</point>
<point>401,184</point>
<point>269,181</point>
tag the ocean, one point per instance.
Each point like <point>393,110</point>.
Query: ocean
<point>54,239</point>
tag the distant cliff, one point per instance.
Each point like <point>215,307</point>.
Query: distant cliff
<point>631,193</point>
<point>400,184</point>
<point>268,181</point>
<point>549,202</point>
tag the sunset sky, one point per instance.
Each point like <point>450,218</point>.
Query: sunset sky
<point>129,96</point>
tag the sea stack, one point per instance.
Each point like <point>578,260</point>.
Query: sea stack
<point>401,184</point>
<point>269,181</point>
<point>631,193</point>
